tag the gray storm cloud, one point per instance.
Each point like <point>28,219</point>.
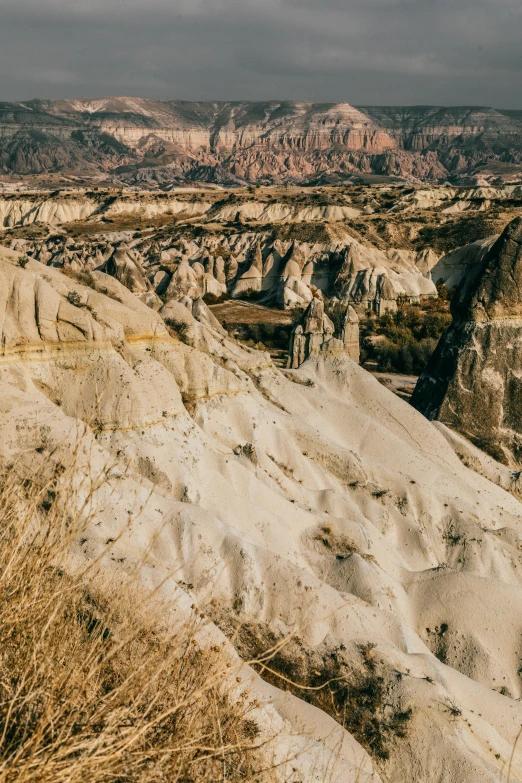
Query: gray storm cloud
<point>361,51</point>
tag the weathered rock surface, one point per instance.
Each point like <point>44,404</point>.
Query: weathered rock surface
<point>241,263</point>
<point>321,506</point>
<point>350,334</point>
<point>263,207</point>
<point>376,279</point>
<point>314,336</point>
<point>453,267</point>
<point>310,335</point>
<point>473,381</point>
<point>125,267</point>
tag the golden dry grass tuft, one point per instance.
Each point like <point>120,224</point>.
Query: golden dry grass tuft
<point>92,687</point>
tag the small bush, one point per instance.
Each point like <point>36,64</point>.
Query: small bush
<point>358,695</point>
<point>92,686</point>
<point>212,299</point>
<point>407,337</point>
<point>407,356</point>
<point>253,296</point>
<point>74,298</point>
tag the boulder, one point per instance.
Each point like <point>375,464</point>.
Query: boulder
<point>290,299</point>
<point>180,319</point>
<point>160,281</point>
<point>199,270</point>
<point>294,292</point>
<point>426,260</point>
<point>308,271</point>
<point>314,316</point>
<point>219,272</point>
<point>231,267</point>
<point>252,279</point>
<point>184,282</point>
<point>213,286</point>
<point>205,316</point>
<point>151,300</point>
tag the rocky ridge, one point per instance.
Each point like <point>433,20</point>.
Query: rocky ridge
<point>276,247</point>
<point>314,336</point>
<point>147,141</point>
<point>206,245</point>
<point>243,263</point>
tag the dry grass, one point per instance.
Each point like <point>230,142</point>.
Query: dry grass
<point>93,687</point>
<point>358,694</point>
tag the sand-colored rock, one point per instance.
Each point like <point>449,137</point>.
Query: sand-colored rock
<point>350,334</point>
<point>314,336</point>
<point>356,524</point>
<point>184,282</point>
<point>124,266</point>
<point>453,267</point>
<point>282,273</point>
<point>375,279</point>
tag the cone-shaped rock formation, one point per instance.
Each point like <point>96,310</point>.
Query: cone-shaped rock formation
<point>473,382</point>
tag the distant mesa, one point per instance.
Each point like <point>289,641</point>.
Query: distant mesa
<point>145,141</point>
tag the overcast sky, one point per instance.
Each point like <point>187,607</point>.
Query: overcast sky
<point>360,51</point>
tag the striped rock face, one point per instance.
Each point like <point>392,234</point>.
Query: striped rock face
<point>144,140</point>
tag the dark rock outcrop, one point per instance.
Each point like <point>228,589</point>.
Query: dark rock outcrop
<point>473,382</point>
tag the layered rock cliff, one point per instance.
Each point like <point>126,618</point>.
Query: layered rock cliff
<point>140,140</point>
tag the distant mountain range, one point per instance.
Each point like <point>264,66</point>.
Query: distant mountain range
<point>164,143</point>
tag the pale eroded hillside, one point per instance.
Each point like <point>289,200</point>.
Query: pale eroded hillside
<point>311,500</point>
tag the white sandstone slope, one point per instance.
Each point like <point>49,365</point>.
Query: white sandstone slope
<point>237,260</point>
<point>262,212</point>
<point>312,501</point>
<point>266,207</point>
<point>74,206</point>
<point>458,199</point>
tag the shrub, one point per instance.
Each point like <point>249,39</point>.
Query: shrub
<point>212,299</point>
<point>92,686</point>
<point>74,298</point>
<point>410,335</point>
<point>357,694</point>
